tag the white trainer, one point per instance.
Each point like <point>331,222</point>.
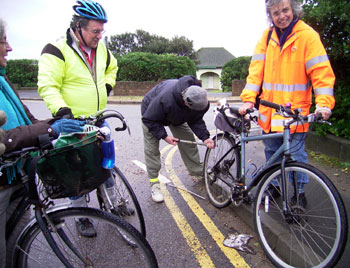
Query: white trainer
<point>157,195</point>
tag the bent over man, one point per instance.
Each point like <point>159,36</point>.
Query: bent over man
<point>179,104</point>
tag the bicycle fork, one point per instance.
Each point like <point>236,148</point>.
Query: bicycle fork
<point>287,211</point>
<point>40,215</point>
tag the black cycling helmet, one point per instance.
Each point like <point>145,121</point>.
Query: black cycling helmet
<point>90,10</point>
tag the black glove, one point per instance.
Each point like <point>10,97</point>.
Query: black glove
<point>109,89</point>
<point>65,112</point>
<point>67,126</point>
<point>3,119</point>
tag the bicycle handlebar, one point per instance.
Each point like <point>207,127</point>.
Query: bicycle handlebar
<point>295,114</point>
<point>100,116</point>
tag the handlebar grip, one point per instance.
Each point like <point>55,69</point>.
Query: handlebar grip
<point>277,107</point>
<point>121,118</point>
<point>234,109</point>
<point>270,104</point>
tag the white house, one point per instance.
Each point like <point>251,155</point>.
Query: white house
<point>209,66</point>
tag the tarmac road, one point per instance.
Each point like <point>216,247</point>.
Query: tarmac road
<point>339,178</point>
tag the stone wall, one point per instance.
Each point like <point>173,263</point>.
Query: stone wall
<point>237,87</point>
<point>133,88</point>
<point>330,145</point>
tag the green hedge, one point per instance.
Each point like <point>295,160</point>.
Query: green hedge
<point>341,114</point>
<point>236,69</point>
<point>143,66</point>
<point>23,72</point>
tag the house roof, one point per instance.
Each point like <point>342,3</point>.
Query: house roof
<point>213,57</point>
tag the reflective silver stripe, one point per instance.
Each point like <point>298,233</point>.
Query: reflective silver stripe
<point>316,60</point>
<point>267,86</point>
<point>287,88</point>
<point>252,87</point>
<point>262,117</point>
<point>324,91</point>
<point>258,57</point>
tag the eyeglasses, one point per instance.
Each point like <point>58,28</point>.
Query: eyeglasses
<point>96,32</point>
<point>4,43</point>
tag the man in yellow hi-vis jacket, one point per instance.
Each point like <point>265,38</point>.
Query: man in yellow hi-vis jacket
<point>287,67</point>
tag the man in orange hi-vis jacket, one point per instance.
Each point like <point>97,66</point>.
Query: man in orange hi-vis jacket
<point>288,67</point>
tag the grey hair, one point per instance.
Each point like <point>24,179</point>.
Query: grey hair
<point>295,5</point>
<point>83,22</point>
<point>2,28</point>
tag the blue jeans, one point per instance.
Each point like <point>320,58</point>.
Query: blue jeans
<point>297,148</point>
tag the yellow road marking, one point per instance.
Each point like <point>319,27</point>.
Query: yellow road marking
<point>193,242</point>
<point>218,237</point>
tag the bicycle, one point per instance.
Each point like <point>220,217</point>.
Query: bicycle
<point>310,231</point>
<point>50,239</point>
<point>122,201</point>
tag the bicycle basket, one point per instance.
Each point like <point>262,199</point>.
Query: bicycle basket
<point>229,122</point>
<point>74,166</point>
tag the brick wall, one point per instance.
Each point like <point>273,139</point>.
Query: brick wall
<point>237,87</point>
<point>133,88</point>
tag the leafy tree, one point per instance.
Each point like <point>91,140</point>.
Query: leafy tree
<point>142,41</point>
<point>182,46</point>
<point>235,69</point>
<point>122,44</point>
<point>331,20</point>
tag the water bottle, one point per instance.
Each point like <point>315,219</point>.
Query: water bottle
<point>107,149</point>
<point>108,154</point>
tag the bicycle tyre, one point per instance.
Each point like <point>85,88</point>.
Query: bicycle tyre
<point>126,199</point>
<point>108,249</point>
<point>218,192</point>
<point>315,235</point>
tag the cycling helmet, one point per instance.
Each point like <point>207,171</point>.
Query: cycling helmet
<point>90,10</point>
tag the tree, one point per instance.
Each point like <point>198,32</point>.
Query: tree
<point>235,69</point>
<point>182,46</point>
<point>142,41</point>
<point>122,44</point>
<point>331,20</point>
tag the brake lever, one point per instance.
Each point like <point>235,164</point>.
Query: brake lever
<point>317,118</point>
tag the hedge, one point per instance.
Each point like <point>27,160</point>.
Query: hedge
<point>23,72</point>
<point>143,66</point>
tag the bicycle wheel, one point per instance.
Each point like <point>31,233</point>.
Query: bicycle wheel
<point>108,249</point>
<point>228,168</point>
<point>122,201</point>
<point>314,232</point>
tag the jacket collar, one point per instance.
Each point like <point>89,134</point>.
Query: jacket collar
<point>297,29</point>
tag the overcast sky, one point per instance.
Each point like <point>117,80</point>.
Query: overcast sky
<point>233,24</point>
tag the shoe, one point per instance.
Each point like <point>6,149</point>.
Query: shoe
<point>273,191</point>
<point>157,195</point>
<point>301,201</point>
<point>85,228</point>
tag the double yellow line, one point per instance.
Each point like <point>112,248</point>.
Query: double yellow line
<point>193,242</point>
